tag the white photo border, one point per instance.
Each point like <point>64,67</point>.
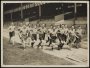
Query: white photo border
<point>2,65</point>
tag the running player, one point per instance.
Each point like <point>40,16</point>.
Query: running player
<point>34,35</point>
<point>62,36</point>
<point>71,37</point>
<point>28,29</point>
<point>20,32</point>
<point>53,37</point>
<point>11,33</point>
<point>24,36</point>
<point>78,37</point>
<point>65,32</point>
<point>39,36</point>
<point>58,31</point>
<point>49,36</point>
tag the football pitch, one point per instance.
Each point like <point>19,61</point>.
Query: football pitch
<point>15,55</point>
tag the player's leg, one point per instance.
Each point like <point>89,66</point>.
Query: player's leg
<point>40,38</point>
<point>13,37</point>
<point>10,35</point>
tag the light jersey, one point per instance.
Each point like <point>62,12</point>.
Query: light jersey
<point>79,31</point>
<point>53,32</point>
<point>24,31</point>
<point>58,30</point>
<point>65,31</point>
<point>20,31</point>
<point>30,29</point>
<point>27,28</point>
<point>11,28</point>
<point>62,31</point>
<point>20,28</point>
<point>34,30</point>
<point>72,32</point>
<point>50,30</point>
<point>43,30</point>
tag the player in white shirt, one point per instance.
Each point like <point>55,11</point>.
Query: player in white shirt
<point>78,37</point>
<point>33,35</point>
<point>43,29</point>
<point>41,33</point>
<point>62,34</point>
<point>53,37</point>
<point>24,36</point>
<point>61,37</point>
<point>50,32</point>
<point>58,31</point>
<point>65,29</point>
<point>20,28</point>
<point>58,39</point>
<point>11,33</point>
<point>79,31</point>
<point>39,37</point>
<point>71,37</point>
<point>28,32</point>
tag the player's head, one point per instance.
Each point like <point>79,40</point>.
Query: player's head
<point>35,26</point>
<point>54,27</point>
<point>79,27</point>
<point>24,26</point>
<point>51,26</point>
<point>72,27</point>
<point>43,25</point>
<point>65,26</point>
<point>32,25</point>
<point>38,25</point>
<point>27,23</point>
<point>12,24</point>
<point>58,26</point>
<point>62,26</point>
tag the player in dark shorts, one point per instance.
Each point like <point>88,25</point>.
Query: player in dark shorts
<point>61,38</point>
<point>78,36</point>
<point>20,28</point>
<point>11,33</point>
<point>24,36</point>
<point>71,37</point>
<point>33,34</point>
<point>40,37</point>
<point>65,32</point>
<point>53,37</point>
<point>44,30</point>
<point>50,32</point>
<point>58,31</point>
<point>29,32</point>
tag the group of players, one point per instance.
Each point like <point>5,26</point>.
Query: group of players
<point>40,35</point>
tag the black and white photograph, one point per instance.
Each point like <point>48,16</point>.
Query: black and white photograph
<point>44,33</point>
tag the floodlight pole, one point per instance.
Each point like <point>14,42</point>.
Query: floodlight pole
<point>11,17</point>
<point>75,11</point>
<point>39,12</point>
<point>21,12</point>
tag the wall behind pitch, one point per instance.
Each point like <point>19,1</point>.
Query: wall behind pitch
<point>59,17</point>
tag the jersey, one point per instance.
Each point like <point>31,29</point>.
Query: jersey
<point>79,31</point>
<point>11,28</point>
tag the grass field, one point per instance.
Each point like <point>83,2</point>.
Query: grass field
<point>14,55</point>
